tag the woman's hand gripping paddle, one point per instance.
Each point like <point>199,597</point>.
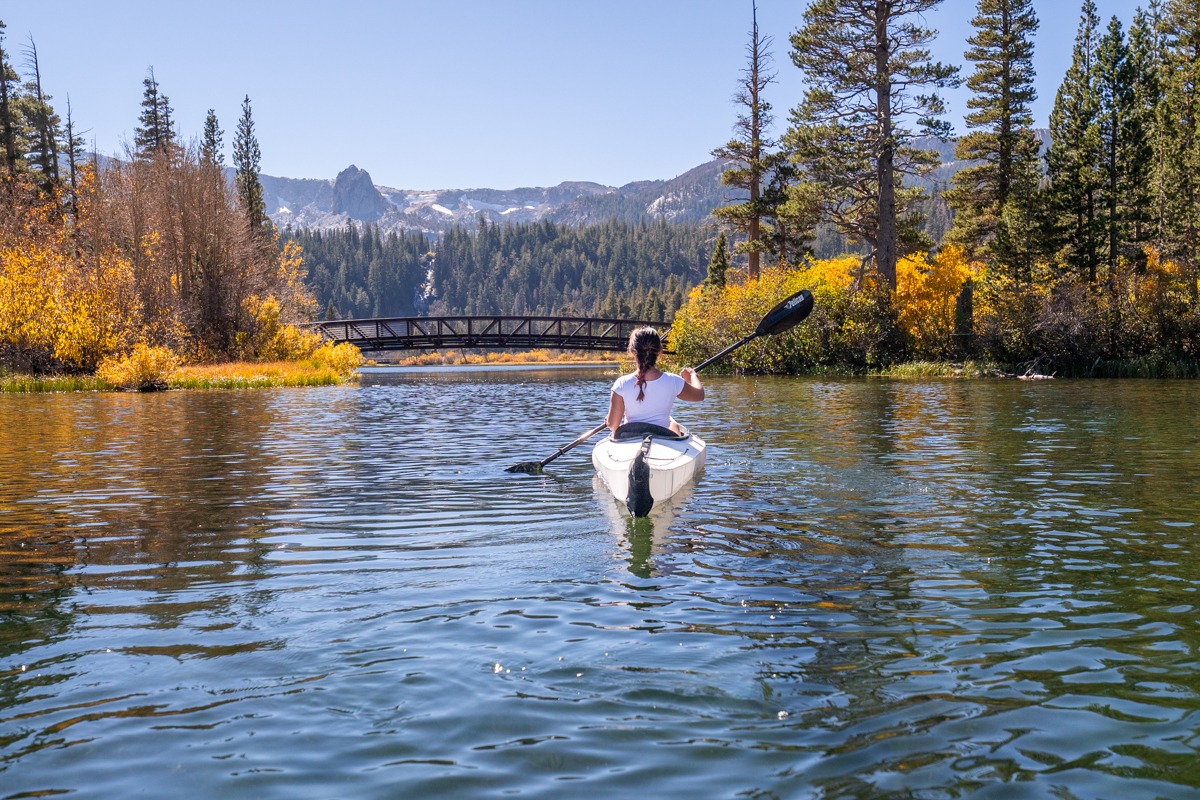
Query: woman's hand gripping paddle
<point>782,317</point>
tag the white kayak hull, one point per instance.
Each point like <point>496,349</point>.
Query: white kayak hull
<point>669,465</point>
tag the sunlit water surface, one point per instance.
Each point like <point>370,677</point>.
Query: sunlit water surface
<point>876,589</point>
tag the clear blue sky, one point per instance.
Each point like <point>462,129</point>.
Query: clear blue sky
<point>432,94</point>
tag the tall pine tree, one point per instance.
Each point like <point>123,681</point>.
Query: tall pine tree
<point>866,64</point>
<point>1146,58</point>
<point>1180,118</point>
<point>9,128</point>
<point>1125,152</point>
<point>1002,144</point>
<point>1074,156</point>
<point>155,133</point>
<point>751,149</point>
<point>212,140</point>
<point>44,122</point>
<point>246,157</point>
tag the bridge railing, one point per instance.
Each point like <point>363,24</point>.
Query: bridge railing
<point>416,333</point>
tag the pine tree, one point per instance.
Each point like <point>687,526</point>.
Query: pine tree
<point>210,144</point>
<point>1002,141</point>
<point>796,212</point>
<point>43,120</point>
<point>718,264</point>
<point>750,150</point>
<point>865,63</point>
<point>1146,56</point>
<point>155,133</point>
<point>1075,153</point>
<point>1124,147</point>
<point>9,128</point>
<point>1179,114</point>
<point>246,157</point>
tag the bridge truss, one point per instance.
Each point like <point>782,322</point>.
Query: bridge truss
<point>494,332</point>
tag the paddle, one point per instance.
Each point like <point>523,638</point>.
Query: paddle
<point>782,317</point>
<point>786,315</point>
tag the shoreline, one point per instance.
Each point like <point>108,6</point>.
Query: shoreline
<point>229,375</point>
<point>248,375</point>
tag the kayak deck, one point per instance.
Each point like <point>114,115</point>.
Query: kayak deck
<point>647,468</point>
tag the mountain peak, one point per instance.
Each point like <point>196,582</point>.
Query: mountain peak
<point>355,195</point>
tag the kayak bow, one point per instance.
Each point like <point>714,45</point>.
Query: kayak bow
<point>644,465</point>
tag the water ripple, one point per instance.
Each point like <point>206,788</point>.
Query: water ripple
<point>876,589</point>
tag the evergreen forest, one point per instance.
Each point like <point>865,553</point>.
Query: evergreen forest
<point>616,269</point>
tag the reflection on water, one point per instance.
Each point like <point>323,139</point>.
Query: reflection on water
<point>876,589</point>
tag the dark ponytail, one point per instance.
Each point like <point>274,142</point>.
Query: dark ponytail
<point>644,345</point>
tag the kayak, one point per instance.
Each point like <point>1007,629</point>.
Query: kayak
<point>644,465</point>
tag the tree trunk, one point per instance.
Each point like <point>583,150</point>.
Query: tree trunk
<point>1092,254</point>
<point>752,260</point>
<point>756,155</point>
<point>1112,203</point>
<point>885,254</point>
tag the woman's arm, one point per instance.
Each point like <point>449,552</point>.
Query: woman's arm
<point>616,410</point>
<point>692,389</point>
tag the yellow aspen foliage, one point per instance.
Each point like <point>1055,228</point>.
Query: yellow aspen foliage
<point>343,358</point>
<point>714,318</point>
<point>830,274</point>
<point>66,301</point>
<point>926,296</point>
<point>271,339</point>
<point>852,326</point>
<point>1163,301</point>
<point>31,290</point>
<point>297,299</point>
<point>1151,311</point>
<point>152,251</point>
<point>100,312</point>
<point>145,368</point>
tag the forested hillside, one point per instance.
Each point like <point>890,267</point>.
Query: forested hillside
<point>356,274</point>
<point>616,269</point>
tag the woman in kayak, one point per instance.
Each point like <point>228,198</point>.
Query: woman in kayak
<point>648,394</point>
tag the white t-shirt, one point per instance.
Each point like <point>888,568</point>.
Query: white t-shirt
<point>660,395</point>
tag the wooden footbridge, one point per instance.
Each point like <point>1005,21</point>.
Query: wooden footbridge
<point>498,332</point>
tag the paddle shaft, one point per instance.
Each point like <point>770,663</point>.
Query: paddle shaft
<point>574,444</point>
<point>725,352</point>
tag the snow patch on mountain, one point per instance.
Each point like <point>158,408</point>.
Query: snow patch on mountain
<point>352,199</point>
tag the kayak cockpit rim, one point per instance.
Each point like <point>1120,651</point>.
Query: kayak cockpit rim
<point>640,430</point>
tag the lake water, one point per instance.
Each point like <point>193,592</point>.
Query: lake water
<point>877,588</point>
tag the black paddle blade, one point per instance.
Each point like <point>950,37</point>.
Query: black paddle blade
<point>535,467</point>
<point>787,314</point>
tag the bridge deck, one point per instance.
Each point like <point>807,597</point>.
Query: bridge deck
<point>422,333</point>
